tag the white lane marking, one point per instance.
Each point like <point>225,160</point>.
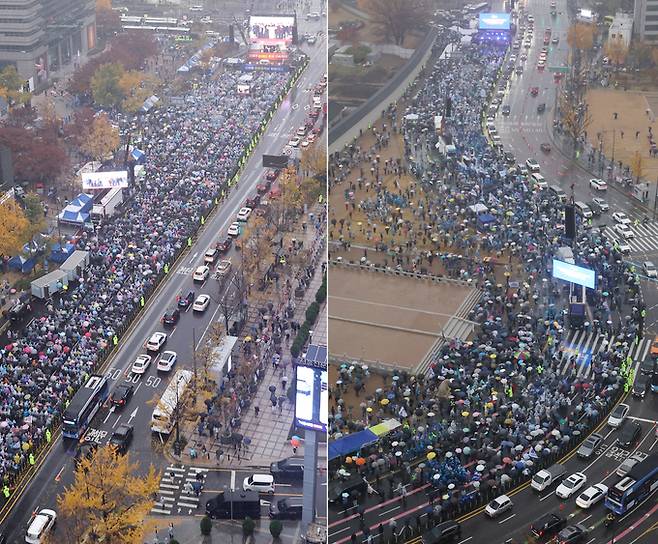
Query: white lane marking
<point>506,519</point>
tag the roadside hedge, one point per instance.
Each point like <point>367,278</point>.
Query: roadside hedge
<point>311,315</point>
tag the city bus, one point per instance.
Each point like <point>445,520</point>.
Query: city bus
<point>640,483</point>
<point>478,8</point>
<point>131,20</point>
<point>164,414</point>
<point>84,405</point>
<point>171,30</point>
<point>159,21</point>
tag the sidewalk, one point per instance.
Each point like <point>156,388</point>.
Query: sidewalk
<point>269,433</point>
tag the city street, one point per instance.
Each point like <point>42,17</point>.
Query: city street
<point>56,470</point>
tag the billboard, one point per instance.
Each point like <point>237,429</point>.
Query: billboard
<point>575,274</point>
<point>271,29</point>
<point>262,55</point>
<point>494,21</point>
<point>104,180</point>
<point>312,396</point>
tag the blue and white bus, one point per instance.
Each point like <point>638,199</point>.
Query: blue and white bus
<point>84,405</point>
<point>640,482</point>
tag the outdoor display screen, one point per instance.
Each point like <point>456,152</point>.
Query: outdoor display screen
<point>494,21</point>
<point>271,29</point>
<point>312,400</point>
<point>104,180</point>
<point>574,274</point>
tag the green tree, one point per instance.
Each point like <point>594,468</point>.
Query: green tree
<point>105,87</point>
<point>276,528</point>
<point>248,526</point>
<point>206,526</point>
<point>34,213</point>
<point>11,86</point>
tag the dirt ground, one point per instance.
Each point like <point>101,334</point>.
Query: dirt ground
<point>366,309</point>
<point>631,108</point>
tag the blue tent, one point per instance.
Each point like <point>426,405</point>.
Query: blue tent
<point>138,155</point>
<point>351,443</point>
<point>59,254</point>
<point>77,212</point>
<point>21,264</point>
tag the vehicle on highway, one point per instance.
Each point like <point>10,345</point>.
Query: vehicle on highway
<point>301,131</point>
<point>598,184</point>
<point>234,505</point>
<point>287,508</point>
<point>573,534</point>
<point>522,169</point>
<point>547,526</point>
<point>506,108</point>
<point>633,488</point>
<point>630,462</point>
<point>210,255</point>
<point>263,483</point>
<point>545,147</point>
<point>640,385</point>
<point>163,419</point>
<point>122,394</point>
<point>243,214</point>
<point>630,434</point>
<point>295,141</point>
<point>40,526</point>
<point>532,165</point>
<point>650,269</point>
<point>601,204</point>
<point>84,405</point>
<point>621,217</point>
<point>201,273</point>
<point>224,246</point>
<point>171,316</point>
<point>122,437</point>
<point>234,229</point>
<point>187,300</point>
<point>592,495</point>
<point>201,303</point>
<point>589,446</point>
<point>443,533</point>
<point>618,415</point>
<point>572,484</point>
<point>141,364</point>
<point>547,477</point>
<point>499,505</point>
<point>167,361</point>
<point>290,470</point>
<point>157,340</point>
<point>223,268</point>
<point>624,230</point>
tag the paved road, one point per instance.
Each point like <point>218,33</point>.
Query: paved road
<point>56,471</point>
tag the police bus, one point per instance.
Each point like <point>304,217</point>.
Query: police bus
<point>640,483</point>
<point>84,405</point>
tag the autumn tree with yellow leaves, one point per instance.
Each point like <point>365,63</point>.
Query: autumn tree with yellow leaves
<point>102,139</point>
<point>616,50</point>
<point>136,87</point>
<point>256,249</point>
<point>14,228</point>
<point>108,501</point>
<point>11,87</point>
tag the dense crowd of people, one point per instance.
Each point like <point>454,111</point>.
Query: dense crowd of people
<point>488,409</point>
<point>192,151</point>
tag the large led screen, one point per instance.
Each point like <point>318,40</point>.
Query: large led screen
<point>312,398</point>
<point>271,29</point>
<point>574,274</point>
<point>494,21</point>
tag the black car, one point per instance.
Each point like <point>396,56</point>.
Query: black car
<point>187,300</point>
<point>506,109</point>
<point>448,531</point>
<point>595,209</point>
<point>288,471</point>
<point>589,446</point>
<point>121,395</point>
<point>224,245</point>
<point>122,437</point>
<point>647,367</point>
<point>541,108</point>
<point>630,433</point>
<point>640,386</point>
<point>572,534</point>
<point>547,526</point>
<point>171,316</point>
<point>287,508</point>
<point>252,202</point>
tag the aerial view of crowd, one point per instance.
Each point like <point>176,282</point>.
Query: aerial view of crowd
<point>192,151</point>
<point>491,409</point>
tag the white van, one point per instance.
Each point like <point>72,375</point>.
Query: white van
<point>263,483</point>
<point>40,526</point>
<point>163,419</point>
<point>583,210</point>
<point>539,181</point>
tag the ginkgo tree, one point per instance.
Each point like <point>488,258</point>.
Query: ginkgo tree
<point>14,228</point>
<point>102,138</point>
<point>108,501</point>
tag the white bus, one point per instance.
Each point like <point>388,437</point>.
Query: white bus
<point>163,419</point>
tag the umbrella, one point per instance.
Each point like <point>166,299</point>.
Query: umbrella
<point>431,455</point>
<point>348,460</point>
<point>360,461</point>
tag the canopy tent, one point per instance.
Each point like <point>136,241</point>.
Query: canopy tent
<point>60,253</point>
<point>478,208</point>
<point>486,219</point>
<point>385,427</point>
<point>22,264</point>
<point>351,443</point>
<point>138,155</point>
<point>77,212</point>
<point>149,103</point>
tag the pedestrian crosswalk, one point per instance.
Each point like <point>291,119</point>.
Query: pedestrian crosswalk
<point>175,495</point>
<point>645,238</point>
<point>583,345</point>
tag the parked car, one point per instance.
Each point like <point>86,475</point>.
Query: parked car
<point>592,495</point>
<point>630,462</point>
<point>598,184</point>
<point>156,341</point>
<point>171,316</point>
<point>141,364</point>
<point>499,505</point>
<point>210,255</point>
<point>167,361</point>
<point>201,303</point>
<point>589,446</point>
<point>572,484</point>
<point>187,300</point>
<point>617,416</point>
<point>201,273</point>
<point>630,434</point>
<point>224,246</point>
<point>122,394</point>
<point>263,483</point>
<point>122,437</point>
<point>573,534</point>
<point>234,229</point>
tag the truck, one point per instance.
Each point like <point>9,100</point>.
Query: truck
<point>107,204</point>
<point>547,477</point>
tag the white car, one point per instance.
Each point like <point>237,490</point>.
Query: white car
<point>141,364</point>
<point>301,131</point>
<point>624,247</point>
<point>650,269</point>
<point>532,165</point>
<point>592,495</point>
<point>40,525</point>
<point>234,229</point>
<point>294,142</point>
<point>618,415</point>
<point>156,341</point>
<point>621,217</point>
<point>572,484</point>
<point>603,205</point>
<point>598,184</point>
<point>223,267</point>
<point>243,214</point>
<point>305,144</point>
<point>201,273</point>
<point>201,303</point>
<point>263,483</point>
<point>624,230</point>
<point>311,137</point>
<point>167,361</point>
<point>498,506</point>
<point>210,255</point>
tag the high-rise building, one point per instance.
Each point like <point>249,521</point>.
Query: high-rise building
<point>42,36</point>
<point>646,20</point>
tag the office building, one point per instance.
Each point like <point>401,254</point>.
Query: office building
<point>646,20</point>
